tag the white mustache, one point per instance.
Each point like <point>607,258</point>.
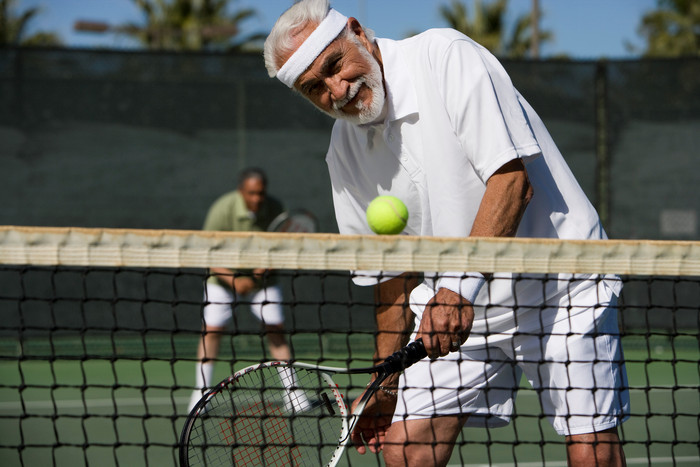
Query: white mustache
<point>352,92</point>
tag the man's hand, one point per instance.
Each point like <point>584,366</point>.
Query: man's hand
<point>374,422</point>
<point>259,273</point>
<point>243,285</point>
<point>446,323</point>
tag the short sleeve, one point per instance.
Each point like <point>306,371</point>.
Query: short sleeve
<point>484,108</point>
<point>216,217</point>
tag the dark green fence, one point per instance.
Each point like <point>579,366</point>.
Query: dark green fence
<point>146,140</point>
<point>101,138</point>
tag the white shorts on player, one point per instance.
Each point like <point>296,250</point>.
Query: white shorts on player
<point>265,304</point>
<point>571,355</point>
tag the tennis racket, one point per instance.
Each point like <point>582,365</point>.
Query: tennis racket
<point>299,220</point>
<point>281,413</point>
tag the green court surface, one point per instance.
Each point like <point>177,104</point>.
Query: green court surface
<point>129,411</point>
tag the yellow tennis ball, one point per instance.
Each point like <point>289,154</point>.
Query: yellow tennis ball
<point>387,215</point>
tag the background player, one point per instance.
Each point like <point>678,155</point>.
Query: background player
<point>248,208</point>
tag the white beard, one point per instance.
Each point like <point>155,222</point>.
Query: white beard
<point>374,81</point>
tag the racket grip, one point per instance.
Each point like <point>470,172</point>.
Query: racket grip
<point>405,357</point>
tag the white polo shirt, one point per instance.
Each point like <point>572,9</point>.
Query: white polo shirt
<point>454,118</point>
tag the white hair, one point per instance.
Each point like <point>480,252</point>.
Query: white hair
<point>281,39</point>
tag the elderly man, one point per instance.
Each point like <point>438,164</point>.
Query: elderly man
<point>435,121</point>
<point>248,208</point>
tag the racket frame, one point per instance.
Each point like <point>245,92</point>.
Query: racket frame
<point>309,222</point>
<point>399,361</point>
<point>325,372</point>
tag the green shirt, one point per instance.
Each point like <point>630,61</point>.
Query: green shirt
<point>230,214</point>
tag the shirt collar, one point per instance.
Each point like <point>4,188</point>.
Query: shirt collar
<point>400,91</point>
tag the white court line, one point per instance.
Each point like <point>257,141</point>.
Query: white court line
<point>79,404</point>
<point>137,401</point>
<point>636,460</point>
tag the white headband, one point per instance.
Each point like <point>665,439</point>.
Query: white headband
<point>318,40</point>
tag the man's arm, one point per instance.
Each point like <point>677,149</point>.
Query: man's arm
<point>448,316</point>
<point>508,193</point>
<point>394,323</point>
<point>394,317</point>
<point>240,284</point>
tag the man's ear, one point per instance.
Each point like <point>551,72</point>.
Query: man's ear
<point>356,28</point>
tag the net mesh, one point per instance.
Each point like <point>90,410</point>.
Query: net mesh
<point>100,331</point>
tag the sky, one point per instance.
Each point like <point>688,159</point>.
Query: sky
<point>587,29</point>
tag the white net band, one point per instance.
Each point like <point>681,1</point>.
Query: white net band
<point>182,249</point>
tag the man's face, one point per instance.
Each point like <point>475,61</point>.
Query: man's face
<point>345,81</point>
<point>253,192</point>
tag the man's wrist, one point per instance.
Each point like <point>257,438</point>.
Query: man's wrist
<point>466,284</point>
<point>388,390</point>
<point>391,382</point>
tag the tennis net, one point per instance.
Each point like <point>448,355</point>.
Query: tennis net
<point>99,331</point>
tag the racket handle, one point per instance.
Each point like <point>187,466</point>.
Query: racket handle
<point>405,357</point>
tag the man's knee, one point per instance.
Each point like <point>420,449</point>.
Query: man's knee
<point>419,454</point>
<point>422,443</point>
<point>275,334</point>
<point>600,449</point>
<point>409,454</point>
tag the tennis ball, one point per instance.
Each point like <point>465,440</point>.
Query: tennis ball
<point>387,215</point>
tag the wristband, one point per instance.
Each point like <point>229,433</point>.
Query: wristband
<point>466,284</point>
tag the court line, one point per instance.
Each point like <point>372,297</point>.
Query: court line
<point>79,404</point>
<point>137,401</point>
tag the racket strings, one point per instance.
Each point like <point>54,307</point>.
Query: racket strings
<point>272,416</point>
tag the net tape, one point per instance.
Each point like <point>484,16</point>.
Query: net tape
<point>47,246</point>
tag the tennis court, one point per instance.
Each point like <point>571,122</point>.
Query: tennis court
<point>129,412</point>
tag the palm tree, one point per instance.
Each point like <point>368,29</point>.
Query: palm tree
<point>673,29</point>
<point>488,27</point>
<point>520,42</point>
<point>190,25</point>
<point>13,27</point>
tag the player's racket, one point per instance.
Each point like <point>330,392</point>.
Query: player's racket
<point>280,413</point>
<point>300,221</point>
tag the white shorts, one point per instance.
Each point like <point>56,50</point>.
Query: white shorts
<point>265,304</point>
<point>572,358</point>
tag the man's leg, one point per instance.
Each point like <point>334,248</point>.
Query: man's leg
<point>578,368</point>
<point>266,305</point>
<point>424,442</point>
<point>215,316</point>
<point>207,351</point>
<point>208,348</point>
<point>599,449</point>
<point>279,348</point>
<point>295,398</point>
